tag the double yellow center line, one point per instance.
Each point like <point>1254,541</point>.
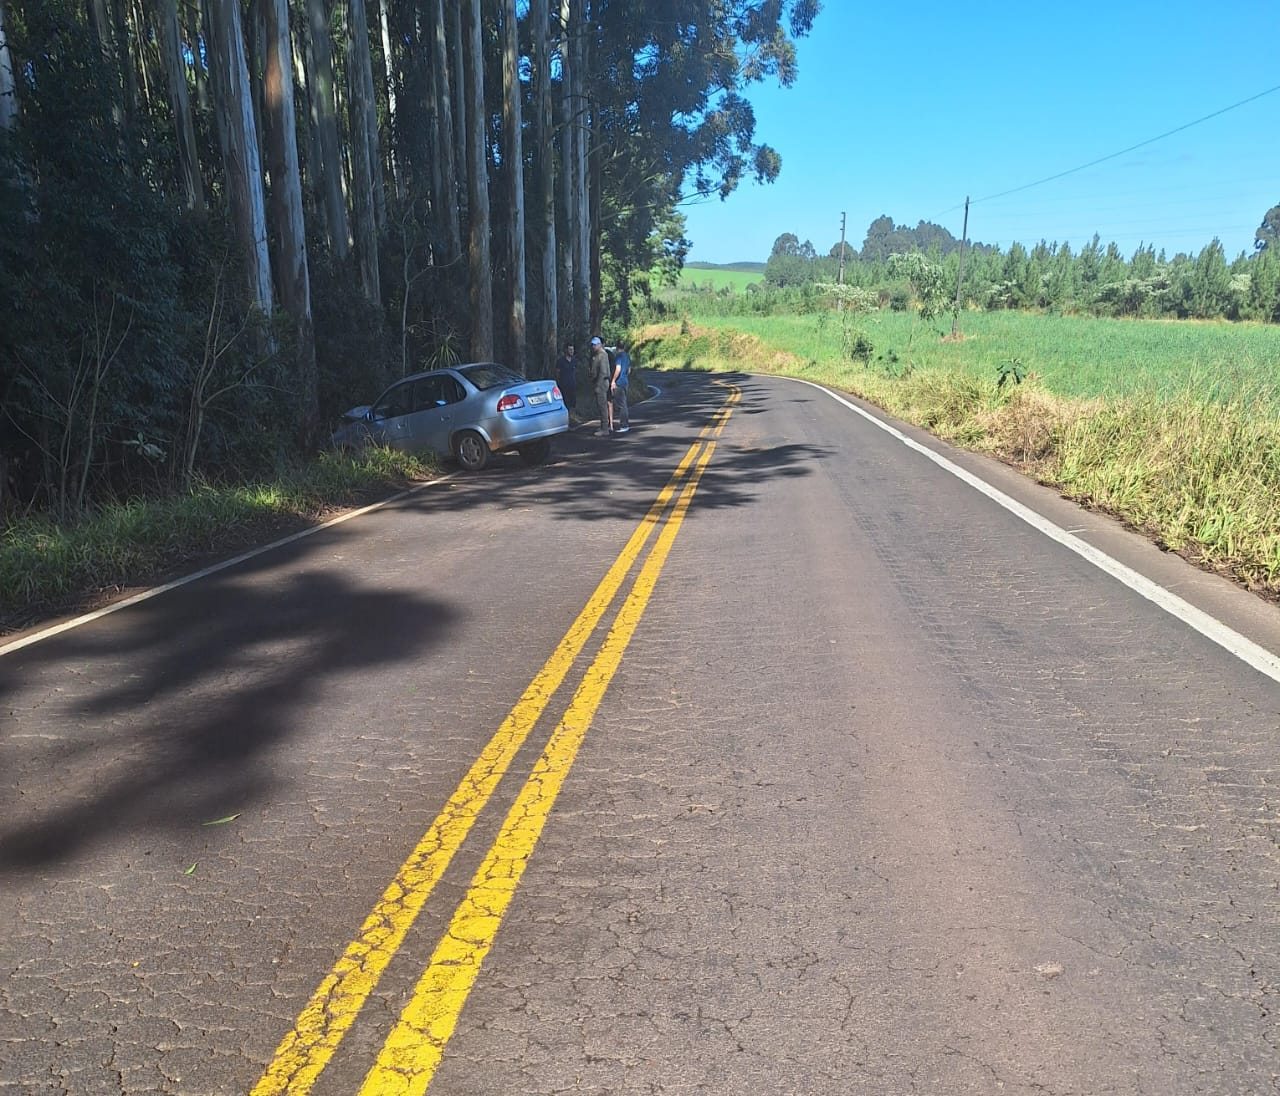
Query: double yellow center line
<point>413,1051</point>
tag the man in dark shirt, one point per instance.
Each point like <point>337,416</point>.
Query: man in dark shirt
<point>567,377</point>
<point>621,374</point>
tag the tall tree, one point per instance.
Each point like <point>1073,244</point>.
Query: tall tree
<point>582,124</point>
<point>513,161</point>
<point>8,85</point>
<point>169,36</point>
<point>286,186</point>
<point>363,150</point>
<point>667,94</point>
<point>390,81</point>
<point>1264,238</point>
<point>540,17</point>
<point>478,189</point>
<point>576,126</point>
<point>568,169</point>
<point>239,129</point>
<point>328,170</point>
<point>447,194</point>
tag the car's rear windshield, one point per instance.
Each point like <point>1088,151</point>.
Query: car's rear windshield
<point>490,376</point>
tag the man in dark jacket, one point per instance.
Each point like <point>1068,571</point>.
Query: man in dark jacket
<point>567,377</point>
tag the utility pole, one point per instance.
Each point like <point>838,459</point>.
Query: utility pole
<point>964,239</point>
<point>840,280</point>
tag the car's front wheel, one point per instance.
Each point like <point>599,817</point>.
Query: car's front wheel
<point>535,452</point>
<point>471,450</point>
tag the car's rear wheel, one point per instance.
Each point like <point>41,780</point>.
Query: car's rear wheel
<point>471,450</point>
<point>535,452</point>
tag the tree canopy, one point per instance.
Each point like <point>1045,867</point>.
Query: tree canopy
<point>224,221</point>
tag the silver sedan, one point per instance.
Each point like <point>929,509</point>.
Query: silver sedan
<point>467,412</point>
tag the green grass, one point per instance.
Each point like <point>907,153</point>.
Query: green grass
<point>1174,427</point>
<point>45,567</point>
<point>1072,356</point>
<point>718,279</point>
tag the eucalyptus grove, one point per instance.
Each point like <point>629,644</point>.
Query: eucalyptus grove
<point>300,196</point>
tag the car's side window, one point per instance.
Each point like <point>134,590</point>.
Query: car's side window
<point>426,394</point>
<point>396,402</point>
<point>433,392</point>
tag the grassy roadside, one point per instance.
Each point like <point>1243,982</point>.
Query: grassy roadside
<point>46,568</point>
<point>1194,464</point>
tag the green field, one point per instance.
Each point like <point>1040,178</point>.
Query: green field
<point>1174,427</point>
<point>718,278</point>
<point>1072,356</point>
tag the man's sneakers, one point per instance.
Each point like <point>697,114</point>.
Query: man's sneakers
<point>621,429</point>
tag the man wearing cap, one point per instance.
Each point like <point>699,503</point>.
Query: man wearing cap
<point>602,378</point>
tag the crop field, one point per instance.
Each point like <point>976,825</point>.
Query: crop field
<point>718,279</point>
<point>1072,356</point>
<point>1174,427</point>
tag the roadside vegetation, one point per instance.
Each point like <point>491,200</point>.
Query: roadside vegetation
<point>47,566</point>
<point>1174,427</point>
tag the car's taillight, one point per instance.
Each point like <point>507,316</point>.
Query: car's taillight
<point>555,392</point>
<point>510,402</point>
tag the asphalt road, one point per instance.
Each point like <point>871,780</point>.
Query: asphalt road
<point>754,753</point>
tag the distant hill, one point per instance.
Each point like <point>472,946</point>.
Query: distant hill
<point>748,268</point>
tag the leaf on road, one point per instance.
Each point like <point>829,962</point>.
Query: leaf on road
<point>191,870</point>
<point>223,821</point>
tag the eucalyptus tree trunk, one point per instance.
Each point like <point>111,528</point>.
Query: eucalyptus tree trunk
<point>478,190</point>
<point>360,80</point>
<point>100,20</point>
<point>150,61</point>
<point>568,169</point>
<point>169,35</point>
<point>389,74</point>
<point>595,189</point>
<point>325,115</point>
<point>8,85</point>
<point>197,32</point>
<point>513,159</point>
<point>454,15</point>
<point>359,92</point>
<point>581,126</point>
<point>540,14</point>
<point>286,185</point>
<point>125,61</point>
<point>447,193</point>
<point>313,203</point>
<point>234,104</point>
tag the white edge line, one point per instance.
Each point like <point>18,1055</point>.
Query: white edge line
<point>156,591</point>
<point>1210,627</point>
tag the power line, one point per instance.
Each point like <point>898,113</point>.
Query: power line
<point>1113,155</point>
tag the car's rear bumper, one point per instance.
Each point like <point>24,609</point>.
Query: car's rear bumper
<point>510,435</point>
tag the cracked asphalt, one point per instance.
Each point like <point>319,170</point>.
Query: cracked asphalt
<point>889,793</point>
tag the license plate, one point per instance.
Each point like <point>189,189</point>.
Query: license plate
<point>539,397</point>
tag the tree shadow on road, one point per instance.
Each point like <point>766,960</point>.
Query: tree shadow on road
<point>163,725</point>
<point>173,714</point>
<point>596,479</point>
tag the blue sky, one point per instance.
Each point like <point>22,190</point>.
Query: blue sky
<point>906,109</point>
